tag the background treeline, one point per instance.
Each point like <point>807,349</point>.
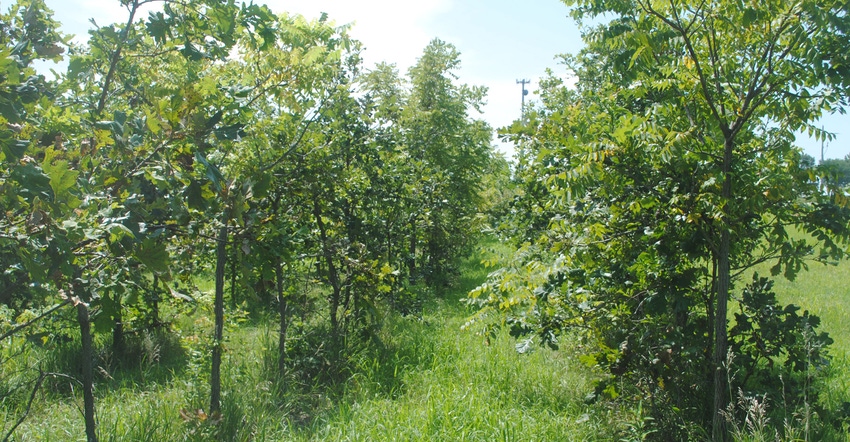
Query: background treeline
<point>220,145</point>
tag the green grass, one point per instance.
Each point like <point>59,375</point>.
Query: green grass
<point>824,290</point>
<point>458,388</point>
<point>423,379</point>
<point>451,385</point>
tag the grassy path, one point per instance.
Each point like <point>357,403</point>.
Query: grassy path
<point>451,386</point>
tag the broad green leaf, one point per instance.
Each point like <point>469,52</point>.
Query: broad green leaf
<point>153,255</point>
<point>118,231</point>
<point>33,182</point>
<point>13,149</point>
<point>159,27</point>
<point>62,179</point>
<point>213,174</point>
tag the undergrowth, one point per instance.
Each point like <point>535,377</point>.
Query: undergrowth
<point>420,378</point>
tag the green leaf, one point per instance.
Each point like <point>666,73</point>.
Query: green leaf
<point>118,231</point>
<point>230,133</point>
<point>314,54</point>
<point>262,185</point>
<point>194,194</point>
<point>115,126</point>
<point>190,52</point>
<point>636,55</point>
<point>158,27</point>
<point>62,179</point>
<point>33,182</point>
<point>152,122</point>
<point>213,173</point>
<point>10,111</point>
<point>13,149</point>
<point>76,66</point>
<point>153,255</point>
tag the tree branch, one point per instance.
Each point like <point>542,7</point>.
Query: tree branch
<point>41,377</point>
<point>116,56</point>
<point>46,313</point>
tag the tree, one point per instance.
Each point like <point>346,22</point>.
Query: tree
<point>28,194</point>
<point>836,170</point>
<point>671,172</point>
<point>449,152</point>
<point>209,136</point>
<point>114,157</point>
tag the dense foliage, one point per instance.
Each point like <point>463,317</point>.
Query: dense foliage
<point>218,141</point>
<point>213,163</point>
<point>656,184</point>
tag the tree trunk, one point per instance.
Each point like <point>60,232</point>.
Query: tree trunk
<point>118,342</point>
<point>718,427</point>
<point>411,259</point>
<point>333,275</point>
<point>389,235</point>
<point>87,354</point>
<point>233,263</point>
<point>215,372</point>
<point>283,310</point>
<point>155,302</point>
<point>708,353</point>
<point>720,339</point>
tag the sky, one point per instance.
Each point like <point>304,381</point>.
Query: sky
<point>500,41</point>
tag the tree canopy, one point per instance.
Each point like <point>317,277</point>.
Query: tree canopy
<point>220,141</point>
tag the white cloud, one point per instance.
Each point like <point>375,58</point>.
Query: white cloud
<point>392,31</point>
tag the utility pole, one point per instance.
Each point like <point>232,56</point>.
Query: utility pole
<point>523,82</point>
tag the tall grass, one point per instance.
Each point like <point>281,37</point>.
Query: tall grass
<point>458,388</point>
<point>420,379</point>
<point>434,382</point>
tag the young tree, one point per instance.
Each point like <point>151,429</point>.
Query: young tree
<point>671,172</point>
<point>449,152</point>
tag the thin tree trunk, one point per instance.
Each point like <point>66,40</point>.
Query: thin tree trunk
<point>434,274</point>
<point>87,354</point>
<point>233,263</point>
<point>155,302</point>
<point>411,260</point>
<point>718,427</point>
<point>118,343</point>
<point>215,372</point>
<point>283,310</point>
<point>389,242</point>
<point>333,275</point>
